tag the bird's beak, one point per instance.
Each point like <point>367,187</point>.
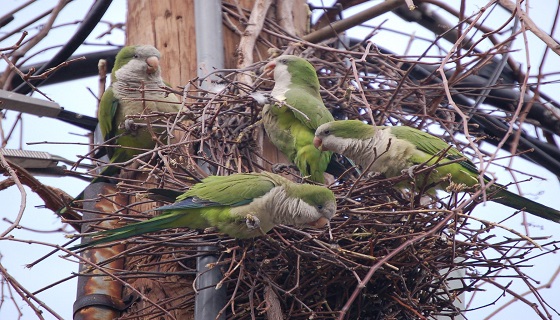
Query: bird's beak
<point>318,143</point>
<point>268,69</point>
<point>153,64</point>
<point>319,223</point>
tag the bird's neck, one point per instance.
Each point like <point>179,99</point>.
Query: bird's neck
<point>284,209</point>
<point>281,87</point>
<point>138,88</point>
<point>364,151</point>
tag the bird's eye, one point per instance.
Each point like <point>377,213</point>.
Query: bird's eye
<point>284,61</point>
<point>320,207</point>
<point>327,132</point>
<point>136,56</point>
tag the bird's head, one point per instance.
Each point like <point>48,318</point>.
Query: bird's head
<point>288,69</point>
<point>334,135</point>
<point>315,207</point>
<point>137,62</point>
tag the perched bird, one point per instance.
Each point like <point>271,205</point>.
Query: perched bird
<point>136,67</point>
<point>243,205</point>
<point>393,150</point>
<point>291,124</point>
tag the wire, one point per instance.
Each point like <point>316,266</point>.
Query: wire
<point>93,17</point>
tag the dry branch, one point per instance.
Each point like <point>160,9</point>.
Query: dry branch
<point>384,253</point>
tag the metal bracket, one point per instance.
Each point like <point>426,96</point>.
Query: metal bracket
<point>104,301</point>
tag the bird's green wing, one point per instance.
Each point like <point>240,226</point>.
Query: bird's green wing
<point>467,172</point>
<point>106,114</point>
<point>309,105</point>
<point>234,190</point>
<point>432,145</point>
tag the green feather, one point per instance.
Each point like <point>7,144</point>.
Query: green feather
<point>232,190</point>
<point>410,146</point>
<point>303,75</point>
<point>223,202</point>
<point>123,57</point>
<point>292,132</point>
<point>120,101</point>
<point>197,218</point>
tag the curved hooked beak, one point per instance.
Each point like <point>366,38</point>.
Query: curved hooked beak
<point>318,143</point>
<point>153,64</point>
<point>268,69</point>
<point>319,223</point>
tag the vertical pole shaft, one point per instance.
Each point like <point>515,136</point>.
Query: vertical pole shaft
<point>96,297</point>
<point>210,55</point>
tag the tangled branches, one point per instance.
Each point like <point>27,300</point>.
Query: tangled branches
<point>387,254</point>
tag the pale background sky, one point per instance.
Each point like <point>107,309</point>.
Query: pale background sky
<point>74,96</point>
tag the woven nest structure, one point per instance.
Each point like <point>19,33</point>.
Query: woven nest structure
<point>386,255</point>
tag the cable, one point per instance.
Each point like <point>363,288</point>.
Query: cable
<point>95,14</point>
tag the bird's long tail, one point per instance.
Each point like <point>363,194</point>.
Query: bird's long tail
<point>518,202</point>
<point>157,223</point>
<point>339,164</point>
<point>165,195</point>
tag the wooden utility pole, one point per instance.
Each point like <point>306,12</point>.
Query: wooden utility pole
<point>170,25</point>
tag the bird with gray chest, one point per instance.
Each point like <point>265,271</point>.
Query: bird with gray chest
<point>392,150</point>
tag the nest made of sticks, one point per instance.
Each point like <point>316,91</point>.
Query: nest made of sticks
<point>386,255</point>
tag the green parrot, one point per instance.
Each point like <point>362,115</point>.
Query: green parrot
<point>243,205</point>
<point>135,66</point>
<point>297,85</point>
<point>393,150</point>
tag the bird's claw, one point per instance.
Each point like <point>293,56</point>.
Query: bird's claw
<point>268,98</point>
<point>280,167</point>
<point>210,230</point>
<point>252,222</point>
<point>130,126</point>
<point>410,171</point>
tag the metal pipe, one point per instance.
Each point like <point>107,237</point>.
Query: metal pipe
<point>209,56</point>
<point>97,298</point>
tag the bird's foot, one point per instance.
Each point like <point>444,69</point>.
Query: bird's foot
<point>130,126</point>
<point>410,171</point>
<point>210,230</point>
<point>252,222</point>
<point>262,98</point>
<point>372,175</point>
<point>280,167</point>
<point>426,201</point>
<point>269,98</point>
<point>246,130</point>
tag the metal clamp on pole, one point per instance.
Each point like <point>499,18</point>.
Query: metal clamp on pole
<point>100,300</point>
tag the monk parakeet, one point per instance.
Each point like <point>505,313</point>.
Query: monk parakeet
<point>392,150</point>
<point>242,205</point>
<point>291,125</point>
<point>135,67</point>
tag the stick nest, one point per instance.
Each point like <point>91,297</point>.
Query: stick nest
<point>386,255</point>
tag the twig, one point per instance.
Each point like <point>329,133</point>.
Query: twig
<point>23,199</point>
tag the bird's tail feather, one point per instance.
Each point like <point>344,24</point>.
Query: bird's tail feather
<point>157,223</point>
<point>518,202</point>
<point>339,164</point>
<point>167,195</point>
